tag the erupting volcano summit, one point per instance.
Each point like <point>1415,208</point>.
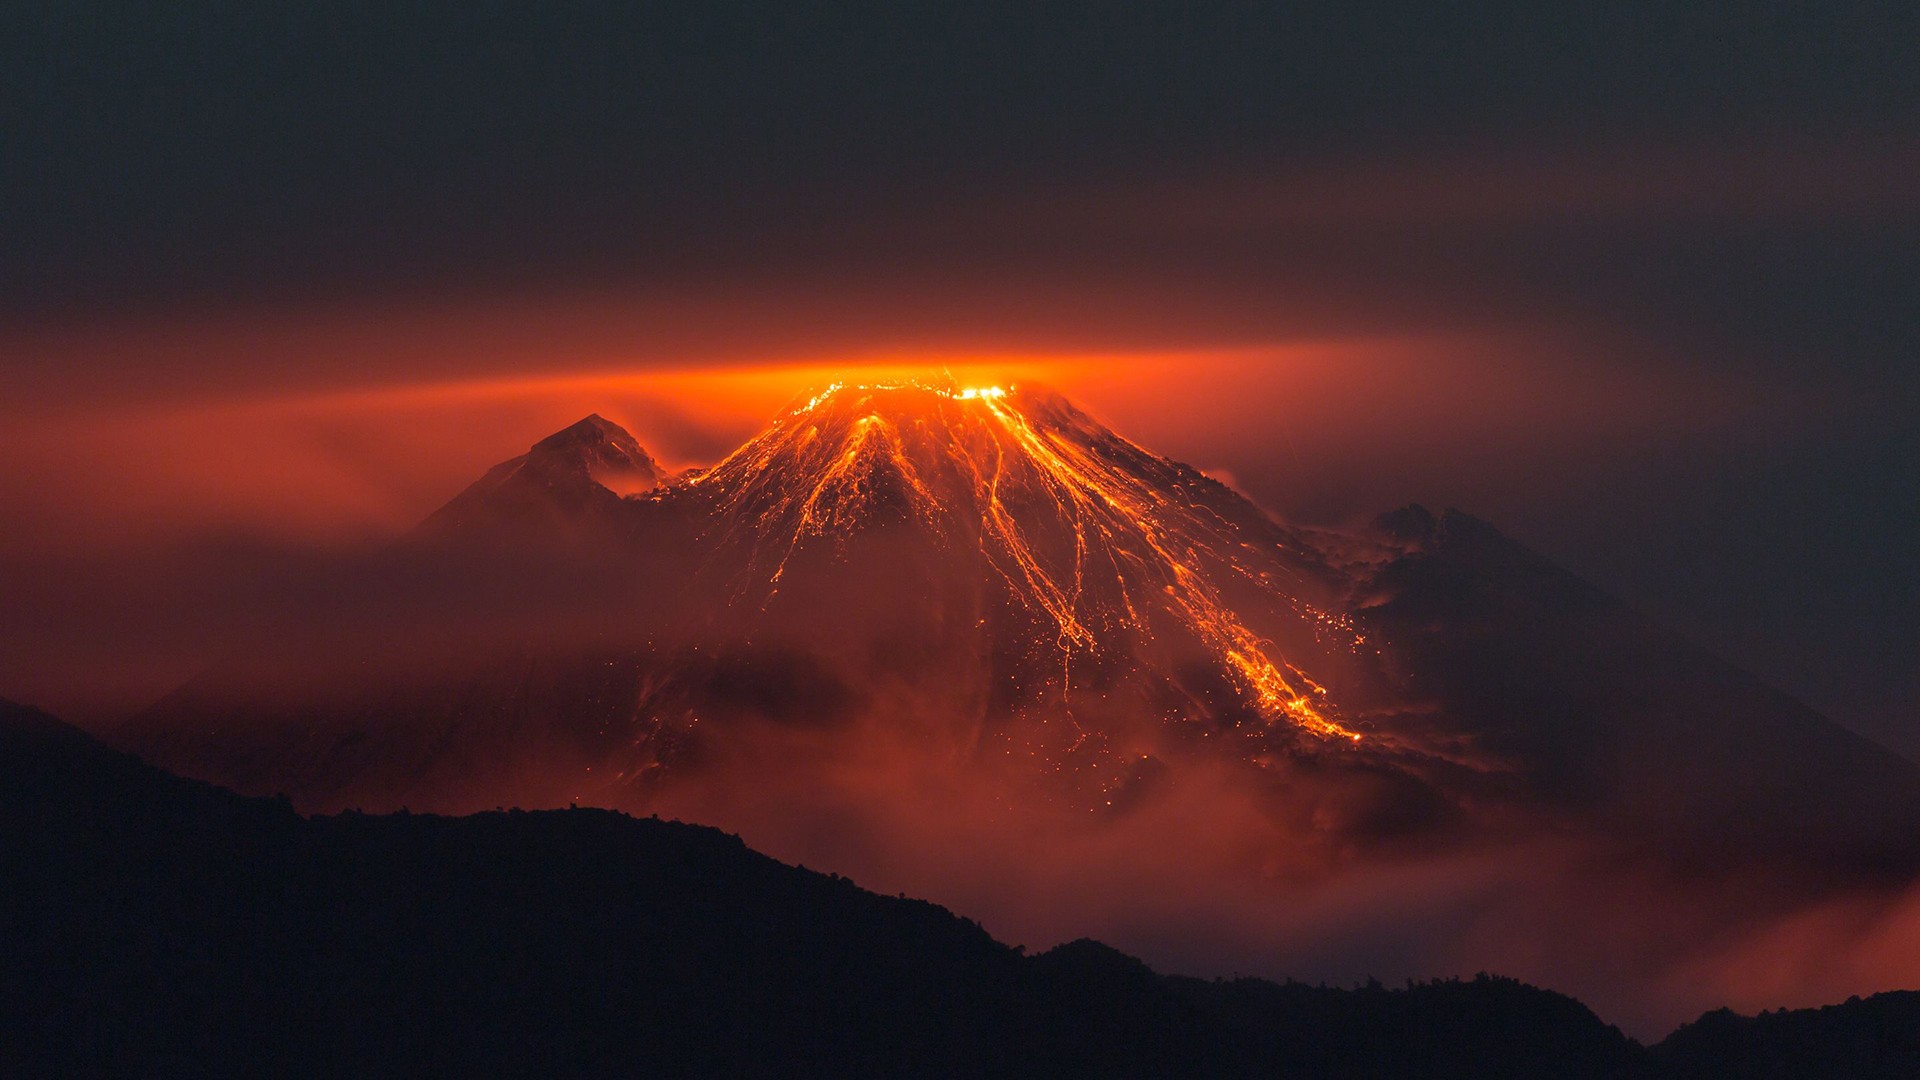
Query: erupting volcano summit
<point>1096,548</point>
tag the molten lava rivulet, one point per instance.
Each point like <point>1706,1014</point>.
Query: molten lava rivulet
<point>1012,472</point>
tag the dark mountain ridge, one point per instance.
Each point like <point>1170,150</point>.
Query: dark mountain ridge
<point>161,926</point>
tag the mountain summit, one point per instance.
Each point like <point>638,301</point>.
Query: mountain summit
<point>1085,556</point>
<point>568,474</point>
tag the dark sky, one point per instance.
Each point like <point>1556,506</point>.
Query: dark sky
<point>1709,209</point>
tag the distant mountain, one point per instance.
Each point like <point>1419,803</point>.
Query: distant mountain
<point>160,926</point>
<point>568,476</point>
<point>1624,723</point>
<point>992,576</point>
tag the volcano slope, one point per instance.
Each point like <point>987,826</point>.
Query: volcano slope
<point>973,644</point>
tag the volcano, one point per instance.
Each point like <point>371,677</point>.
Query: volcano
<point>990,578</point>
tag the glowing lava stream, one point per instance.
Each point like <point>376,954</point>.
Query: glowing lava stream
<point>990,444</point>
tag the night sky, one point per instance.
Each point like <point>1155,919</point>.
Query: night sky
<point>1639,285</point>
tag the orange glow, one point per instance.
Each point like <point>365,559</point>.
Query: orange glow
<point>359,441</point>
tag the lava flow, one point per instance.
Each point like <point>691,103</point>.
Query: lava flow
<point>1112,547</point>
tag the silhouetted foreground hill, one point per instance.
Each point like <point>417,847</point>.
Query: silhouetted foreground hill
<point>1875,1037</point>
<point>151,925</point>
